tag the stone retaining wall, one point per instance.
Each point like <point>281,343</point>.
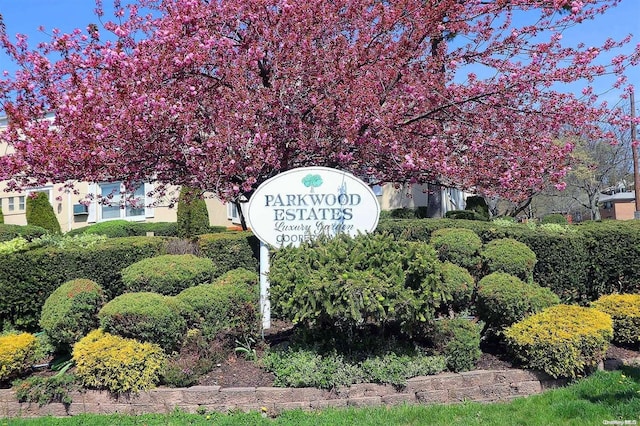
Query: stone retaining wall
<point>444,388</point>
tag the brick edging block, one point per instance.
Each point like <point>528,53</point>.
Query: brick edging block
<point>477,385</point>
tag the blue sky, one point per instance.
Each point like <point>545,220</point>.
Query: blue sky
<point>25,16</point>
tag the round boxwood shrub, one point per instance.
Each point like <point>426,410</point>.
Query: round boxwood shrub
<point>563,340</point>
<point>510,256</point>
<point>557,218</point>
<point>17,354</point>
<point>458,245</point>
<point>105,361</point>
<point>168,274</point>
<point>223,308</point>
<point>239,276</point>
<point>146,316</point>
<point>459,283</point>
<point>70,312</point>
<point>504,299</point>
<point>625,311</point>
<point>458,339</point>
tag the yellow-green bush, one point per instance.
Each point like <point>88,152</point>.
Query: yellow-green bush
<point>105,361</point>
<point>625,311</point>
<point>563,341</point>
<point>16,354</point>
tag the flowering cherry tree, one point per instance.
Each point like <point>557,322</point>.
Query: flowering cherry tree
<point>223,94</point>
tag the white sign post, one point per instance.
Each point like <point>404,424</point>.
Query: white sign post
<point>301,204</point>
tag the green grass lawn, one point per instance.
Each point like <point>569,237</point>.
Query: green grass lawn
<point>603,398</point>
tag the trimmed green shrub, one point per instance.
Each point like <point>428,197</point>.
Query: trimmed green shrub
<point>168,274</point>
<point>28,278</point>
<point>119,365</point>
<point>149,317</point>
<point>556,218</point>
<point>613,250</point>
<point>345,282</point>
<point>465,215</point>
<point>28,232</point>
<point>477,204</point>
<point>459,283</point>
<point>228,307</point>
<point>624,309</point>
<point>16,354</point>
<point>1,217</point>
<point>124,228</point>
<point>70,312</point>
<point>230,250</point>
<point>504,299</point>
<point>458,245</point>
<point>458,339</point>
<point>193,217</point>
<point>510,256</point>
<point>563,341</point>
<point>40,212</point>
<point>240,276</point>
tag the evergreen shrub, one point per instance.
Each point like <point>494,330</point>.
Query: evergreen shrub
<point>40,212</point>
<point>477,204</point>
<point>563,340</point>
<point>124,228</point>
<point>27,278</point>
<point>193,217</point>
<point>240,276</point>
<point>459,283</point>
<point>465,215</point>
<point>227,307</point>
<point>168,274</point>
<point>230,250</point>
<point>458,339</point>
<point>458,245</point>
<point>120,365</point>
<point>145,316</point>
<point>345,282</point>
<point>510,256</point>
<point>624,309</point>
<point>556,218</point>
<point>17,354</point>
<point>504,299</point>
<point>1,217</point>
<point>28,232</point>
<point>71,311</point>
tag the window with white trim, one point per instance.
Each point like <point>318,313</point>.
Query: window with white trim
<point>119,203</point>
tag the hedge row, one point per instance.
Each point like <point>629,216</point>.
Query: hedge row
<point>27,278</point>
<point>125,228</point>
<point>579,264</point>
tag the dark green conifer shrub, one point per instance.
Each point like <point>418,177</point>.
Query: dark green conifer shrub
<point>71,311</point>
<point>193,217</point>
<point>346,282</point>
<point>459,283</point>
<point>1,216</point>
<point>477,204</point>
<point>40,212</point>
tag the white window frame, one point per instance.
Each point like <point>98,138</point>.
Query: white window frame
<point>97,210</point>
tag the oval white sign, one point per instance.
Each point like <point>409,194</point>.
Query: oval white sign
<point>301,204</point>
